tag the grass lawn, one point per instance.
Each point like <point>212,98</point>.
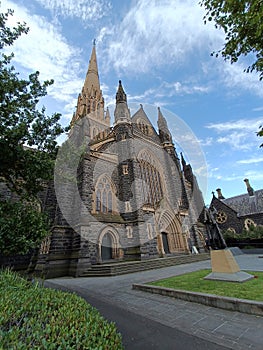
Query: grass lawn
<point>193,281</point>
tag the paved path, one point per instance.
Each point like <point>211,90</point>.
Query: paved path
<point>224,328</point>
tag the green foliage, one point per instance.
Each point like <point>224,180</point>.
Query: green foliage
<point>32,317</point>
<point>195,282</point>
<point>22,227</point>
<point>254,232</point>
<point>243,26</point>
<point>22,124</point>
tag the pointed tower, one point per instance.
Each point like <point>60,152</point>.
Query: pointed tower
<point>165,135</point>
<point>122,112</point>
<point>90,101</point>
<point>166,138</point>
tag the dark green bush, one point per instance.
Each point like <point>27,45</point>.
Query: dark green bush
<point>22,227</point>
<point>33,317</point>
<point>254,232</point>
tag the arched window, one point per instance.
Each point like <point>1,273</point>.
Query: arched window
<point>104,202</point>
<point>104,195</point>
<point>109,202</point>
<point>98,197</point>
<point>152,190</point>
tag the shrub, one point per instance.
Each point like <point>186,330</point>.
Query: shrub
<point>33,317</point>
<point>22,227</point>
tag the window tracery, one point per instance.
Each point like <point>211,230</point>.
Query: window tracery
<point>104,196</point>
<point>152,190</point>
<point>145,128</point>
<point>249,223</point>
<point>221,217</point>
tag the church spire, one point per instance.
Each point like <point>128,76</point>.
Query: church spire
<point>92,77</point>
<point>122,112</point>
<point>90,100</point>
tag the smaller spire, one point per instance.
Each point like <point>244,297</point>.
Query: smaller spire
<point>164,132</point>
<point>120,95</point>
<point>183,161</point>
<point>162,123</point>
<point>122,112</point>
<point>107,116</point>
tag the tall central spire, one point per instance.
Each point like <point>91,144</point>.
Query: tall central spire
<point>92,77</point>
<point>90,100</point>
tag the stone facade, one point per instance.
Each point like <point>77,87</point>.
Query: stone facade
<point>239,212</point>
<point>120,192</point>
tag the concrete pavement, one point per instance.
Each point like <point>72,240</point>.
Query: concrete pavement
<point>224,328</point>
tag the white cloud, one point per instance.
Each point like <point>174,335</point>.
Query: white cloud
<point>46,50</point>
<point>251,160</point>
<point>253,175</point>
<point>239,134</point>
<point>153,33</point>
<point>257,109</point>
<point>208,141</point>
<point>233,76</point>
<point>88,10</point>
<point>176,88</point>
<point>241,124</point>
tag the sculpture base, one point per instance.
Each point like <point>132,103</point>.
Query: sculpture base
<point>225,268</point>
<point>239,276</point>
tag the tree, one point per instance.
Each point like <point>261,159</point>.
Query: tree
<point>27,135</point>
<point>22,227</point>
<point>27,149</point>
<point>242,23</point>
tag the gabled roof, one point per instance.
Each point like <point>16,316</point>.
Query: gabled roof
<point>245,204</point>
<point>141,115</point>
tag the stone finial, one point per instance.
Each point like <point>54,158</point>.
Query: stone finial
<point>219,194</point>
<point>183,161</point>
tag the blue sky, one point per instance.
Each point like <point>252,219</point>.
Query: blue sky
<point>161,52</point>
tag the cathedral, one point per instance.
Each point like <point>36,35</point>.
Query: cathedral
<point>120,191</point>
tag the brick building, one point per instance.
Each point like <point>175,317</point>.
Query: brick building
<point>120,191</point>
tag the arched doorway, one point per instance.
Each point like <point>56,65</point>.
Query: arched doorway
<point>165,243</point>
<point>106,247</point>
<point>170,228</point>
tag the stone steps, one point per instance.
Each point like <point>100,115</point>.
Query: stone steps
<point>122,268</point>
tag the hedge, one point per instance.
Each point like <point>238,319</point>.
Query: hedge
<point>34,317</point>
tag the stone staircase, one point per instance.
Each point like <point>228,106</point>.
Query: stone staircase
<point>121,268</point>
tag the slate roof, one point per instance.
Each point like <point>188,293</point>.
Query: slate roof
<point>245,204</point>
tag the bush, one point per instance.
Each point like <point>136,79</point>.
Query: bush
<point>33,317</point>
<point>22,227</point>
<point>254,232</point>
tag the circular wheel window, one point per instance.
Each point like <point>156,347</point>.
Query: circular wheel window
<point>221,217</point>
<point>249,223</point>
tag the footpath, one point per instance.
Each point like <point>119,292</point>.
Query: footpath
<point>225,329</point>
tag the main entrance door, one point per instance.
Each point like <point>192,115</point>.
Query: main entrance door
<point>165,243</point>
<point>106,247</point>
